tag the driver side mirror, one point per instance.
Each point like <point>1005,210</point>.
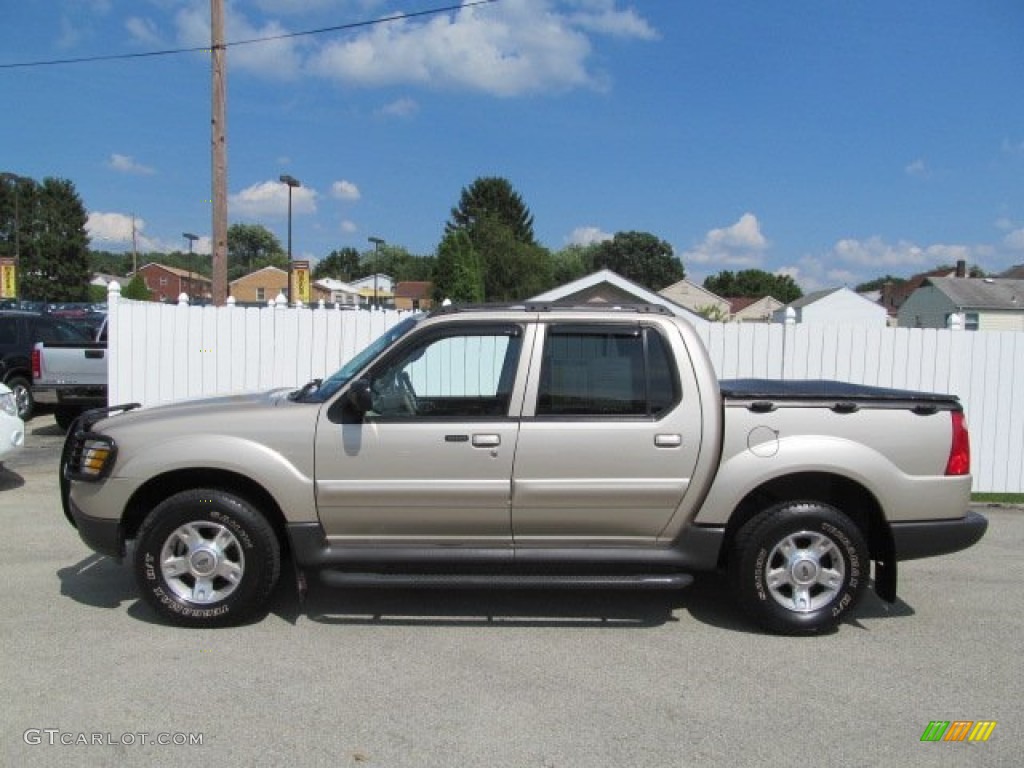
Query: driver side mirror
<point>360,397</point>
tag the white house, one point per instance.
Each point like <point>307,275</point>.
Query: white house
<point>378,288</point>
<point>609,288</point>
<point>697,299</point>
<point>339,292</point>
<point>835,306</point>
<point>983,304</point>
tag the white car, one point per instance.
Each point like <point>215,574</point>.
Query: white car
<point>12,429</point>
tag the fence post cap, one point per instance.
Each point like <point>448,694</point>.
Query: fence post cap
<point>183,299</point>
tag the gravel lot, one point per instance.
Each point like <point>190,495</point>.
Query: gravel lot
<point>438,678</point>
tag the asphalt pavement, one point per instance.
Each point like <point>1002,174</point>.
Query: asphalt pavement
<point>89,676</point>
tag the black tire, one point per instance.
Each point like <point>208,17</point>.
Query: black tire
<point>65,416</point>
<point>799,568</point>
<point>22,389</point>
<point>207,558</point>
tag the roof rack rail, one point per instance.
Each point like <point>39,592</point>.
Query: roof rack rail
<point>548,306</point>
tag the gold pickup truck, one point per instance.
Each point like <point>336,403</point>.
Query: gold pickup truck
<point>527,446</point>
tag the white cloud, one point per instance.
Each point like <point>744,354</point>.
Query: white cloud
<point>345,190</point>
<point>404,107</point>
<point>508,49</point>
<point>142,30</point>
<point>739,245</point>
<point>1013,147</point>
<point>270,198</point>
<point>275,59</point>
<point>113,231</point>
<point>603,17</point>
<point>348,227</point>
<point>1015,240</point>
<point>127,164</point>
<point>588,236</point>
<point>918,168</point>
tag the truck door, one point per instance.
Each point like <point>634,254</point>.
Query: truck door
<point>609,440</point>
<point>431,463</point>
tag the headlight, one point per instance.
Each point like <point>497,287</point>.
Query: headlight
<point>90,456</point>
<point>8,405</point>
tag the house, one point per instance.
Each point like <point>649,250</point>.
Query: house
<point>835,306</point>
<point>375,290</point>
<point>260,286</point>
<point>414,294</point>
<point>608,287</point>
<point>753,310</point>
<point>337,292</point>
<point>697,299</point>
<point>167,283</point>
<point>983,304</point>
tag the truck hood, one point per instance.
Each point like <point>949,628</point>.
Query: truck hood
<point>207,414</point>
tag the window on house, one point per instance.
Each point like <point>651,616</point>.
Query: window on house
<point>163,282</point>
<point>261,294</point>
<point>971,321</point>
<point>606,371</point>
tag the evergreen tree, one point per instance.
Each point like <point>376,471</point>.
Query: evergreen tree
<point>493,199</point>
<point>54,264</point>
<point>458,275</point>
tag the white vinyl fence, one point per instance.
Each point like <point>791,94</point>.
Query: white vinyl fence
<point>160,353</point>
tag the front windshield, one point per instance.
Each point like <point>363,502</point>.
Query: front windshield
<point>357,363</point>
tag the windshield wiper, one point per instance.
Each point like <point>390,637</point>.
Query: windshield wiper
<point>308,387</point>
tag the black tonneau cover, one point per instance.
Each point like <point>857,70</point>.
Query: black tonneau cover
<point>829,391</point>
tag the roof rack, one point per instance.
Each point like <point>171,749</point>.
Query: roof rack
<point>547,306</point>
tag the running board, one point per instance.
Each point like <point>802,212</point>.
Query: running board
<point>505,581</point>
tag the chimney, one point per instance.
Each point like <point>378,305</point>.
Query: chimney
<point>961,268</point>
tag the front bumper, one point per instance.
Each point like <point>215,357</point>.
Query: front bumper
<point>102,535</point>
<point>928,538</point>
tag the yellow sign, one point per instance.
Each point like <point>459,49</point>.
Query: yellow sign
<point>8,279</point>
<point>300,281</point>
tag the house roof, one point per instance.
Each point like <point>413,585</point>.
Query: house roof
<point>330,284</point>
<point>742,302</point>
<point>642,295</point>
<point>193,275</point>
<point>982,293</point>
<point>413,289</point>
<point>812,297</point>
<point>253,274</point>
<point>1014,273</point>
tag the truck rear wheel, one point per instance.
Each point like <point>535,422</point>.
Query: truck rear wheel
<point>206,558</point>
<point>799,568</point>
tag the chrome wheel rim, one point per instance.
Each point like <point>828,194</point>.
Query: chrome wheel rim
<point>202,562</point>
<point>805,571</point>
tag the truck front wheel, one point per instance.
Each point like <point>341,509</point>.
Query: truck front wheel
<point>206,558</point>
<point>799,568</point>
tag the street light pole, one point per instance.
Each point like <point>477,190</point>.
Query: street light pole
<point>377,243</point>
<point>292,182</point>
<point>191,239</point>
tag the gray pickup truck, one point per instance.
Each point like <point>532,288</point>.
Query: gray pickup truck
<point>71,375</point>
<point>529,446</point>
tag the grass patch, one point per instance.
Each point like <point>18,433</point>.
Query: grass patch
<point>998,498</point>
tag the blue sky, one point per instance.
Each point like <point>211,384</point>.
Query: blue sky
<point>832,141</point>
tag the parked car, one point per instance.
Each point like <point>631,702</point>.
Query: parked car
<point>71,375</point>
<point>12,428</point>
<point>530,446</point>
<point>19,332</point>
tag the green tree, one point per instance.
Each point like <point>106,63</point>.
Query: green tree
<point>458,275</point>
<point>878,282</point>
<point>252,247</point>
<point>571,263</point>
<point>136,289</point>
<point>54,248</point>
<point>513,270</point>
<point>493,199</point>
<point>341,265</point>
<point>753,284</point>
<point>640,257</point>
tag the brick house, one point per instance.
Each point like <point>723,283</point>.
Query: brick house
<point>167,283</point>
<point>414,294</point>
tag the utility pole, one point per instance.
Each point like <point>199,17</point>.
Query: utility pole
<point>219,146</point>
<point>135,249</point>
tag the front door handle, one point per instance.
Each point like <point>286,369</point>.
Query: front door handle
<point>668,441</point>
<point>486,441</point>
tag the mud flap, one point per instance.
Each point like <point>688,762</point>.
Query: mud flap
<point>885,579</point>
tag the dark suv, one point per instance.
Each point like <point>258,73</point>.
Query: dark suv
<point>19,332</point>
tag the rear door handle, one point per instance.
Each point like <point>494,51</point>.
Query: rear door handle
<point>668,441</point>
<point>486,441</point>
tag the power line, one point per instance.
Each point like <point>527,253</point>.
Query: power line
<point>235,43</point>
